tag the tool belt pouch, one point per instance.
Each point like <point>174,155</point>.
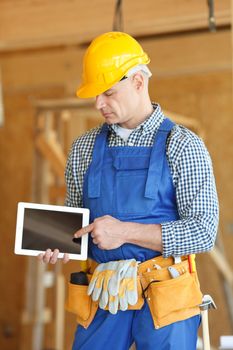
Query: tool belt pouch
<point>174,299</point>
<point>81,304</point>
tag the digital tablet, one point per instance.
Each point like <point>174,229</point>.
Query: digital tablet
<point>43,226</point>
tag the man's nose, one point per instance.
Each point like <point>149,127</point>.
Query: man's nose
<point>99,102</point>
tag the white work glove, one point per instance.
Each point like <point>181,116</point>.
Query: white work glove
<point>117,277</point>
<point>128,293</point>
<point>105,283</point>
<point>100,279</point>
<point>113,304</point>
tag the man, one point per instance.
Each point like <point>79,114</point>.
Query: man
<point>151,192</point>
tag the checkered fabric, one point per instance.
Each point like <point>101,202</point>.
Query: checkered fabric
<point>192,174</point>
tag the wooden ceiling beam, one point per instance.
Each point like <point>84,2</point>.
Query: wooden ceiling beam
<point>36,25</point>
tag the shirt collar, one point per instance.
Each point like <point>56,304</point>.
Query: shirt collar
<point>149,125</point>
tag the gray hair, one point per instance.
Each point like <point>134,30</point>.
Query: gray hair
<point>140,67</point>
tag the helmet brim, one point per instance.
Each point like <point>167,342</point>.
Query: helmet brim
<point>93,90</point>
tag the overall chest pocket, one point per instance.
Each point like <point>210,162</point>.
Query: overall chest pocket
<point>130,184</point>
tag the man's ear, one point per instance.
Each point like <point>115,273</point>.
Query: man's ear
<point>138,81</point>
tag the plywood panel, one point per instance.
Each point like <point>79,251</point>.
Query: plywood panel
<point>197,53</point>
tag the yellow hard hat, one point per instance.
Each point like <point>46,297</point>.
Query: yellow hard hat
<point>107,60</point>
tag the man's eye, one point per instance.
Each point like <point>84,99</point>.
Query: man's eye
<point>109,93</point>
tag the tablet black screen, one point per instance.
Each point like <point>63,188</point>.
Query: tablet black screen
<point>43,229</point>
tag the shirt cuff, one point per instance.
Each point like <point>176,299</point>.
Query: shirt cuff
<point>168,239</point>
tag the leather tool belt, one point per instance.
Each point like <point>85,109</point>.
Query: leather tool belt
<point>169,299</point>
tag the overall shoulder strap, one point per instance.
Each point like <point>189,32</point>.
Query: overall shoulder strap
<point>157,157</point>
<point>94,178</point>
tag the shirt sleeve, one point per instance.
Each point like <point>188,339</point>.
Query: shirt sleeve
<point>197,204</point>
<point>73,197</point>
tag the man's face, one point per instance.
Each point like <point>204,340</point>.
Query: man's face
<point>118,105</point>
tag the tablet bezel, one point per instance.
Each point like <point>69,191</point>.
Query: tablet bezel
<point>19,229</point>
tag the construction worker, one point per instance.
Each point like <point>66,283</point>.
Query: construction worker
<point>149,185</point>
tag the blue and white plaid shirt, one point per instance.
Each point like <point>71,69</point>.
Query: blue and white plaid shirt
<point>192,174</point>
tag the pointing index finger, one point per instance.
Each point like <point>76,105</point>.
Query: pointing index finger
<point>84,230</point>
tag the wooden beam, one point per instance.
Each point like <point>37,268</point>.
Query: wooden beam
<point>62,103</point>
<point>1,101</point>
<point>222,265</point>
<point>60,310</point>
<point>75,22</point>
<point>232,42</point>
<point>52,151</point>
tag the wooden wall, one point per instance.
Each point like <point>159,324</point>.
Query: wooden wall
<point>192,75</point>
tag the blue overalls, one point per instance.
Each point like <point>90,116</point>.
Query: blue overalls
<point>131,184</point>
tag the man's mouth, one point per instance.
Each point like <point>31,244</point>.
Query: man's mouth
<point>106,114</point>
